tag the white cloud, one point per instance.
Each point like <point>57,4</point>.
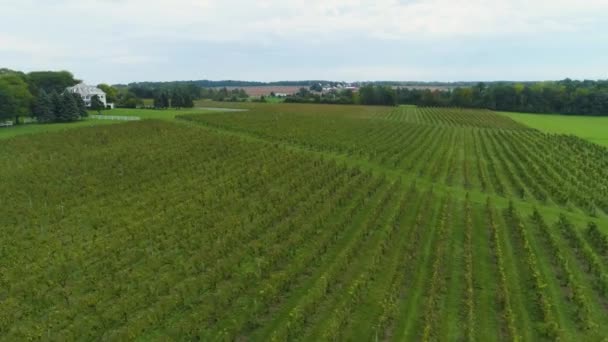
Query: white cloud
<point>329,19</point>
<point>135,32</point>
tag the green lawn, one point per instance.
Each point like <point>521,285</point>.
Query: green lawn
<point>164,114</point>
<point>168,114</point>
<point>8,132</point>
<point>592,128</point>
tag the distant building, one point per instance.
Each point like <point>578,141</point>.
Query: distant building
<point>87,92</point>
<point>280,94</point>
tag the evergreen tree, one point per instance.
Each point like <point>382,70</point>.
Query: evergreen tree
<point>96,104</point>
<point>188,102</point>
<point>70,109</point>
<point>56,106</point>
<point>157,101</point>
<point>43,108</point>
<point>164,100</point>
<point>176,100</point>
<point>82,107</point>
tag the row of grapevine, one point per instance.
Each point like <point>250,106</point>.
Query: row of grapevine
<point>549,328</point>
<point>589,259</point>
<point>504,293</point>
<point>469,297</point>
<point>296,320</point>
<point>452,117</point>
<point>307,258</point>
<point>597,239</point>
<point>376,257</point>
<point>437,281</point>
<point>400,283</point>
<point>576,292</point>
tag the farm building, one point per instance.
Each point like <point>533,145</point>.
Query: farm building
<point>87,92</point>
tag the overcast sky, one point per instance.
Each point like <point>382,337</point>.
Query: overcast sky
<point>425,40</point>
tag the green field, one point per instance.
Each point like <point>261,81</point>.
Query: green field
<point>304,222</point>
<point>592,128</point>
<point>169,114</point>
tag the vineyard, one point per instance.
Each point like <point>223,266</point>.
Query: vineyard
<point>308,223</point>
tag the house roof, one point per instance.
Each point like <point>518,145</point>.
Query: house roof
<point>84,90</point>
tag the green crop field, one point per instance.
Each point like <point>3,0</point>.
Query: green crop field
<point>592,128</point>
<point>304,222</point>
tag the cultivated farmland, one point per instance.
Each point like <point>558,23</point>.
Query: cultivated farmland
<point>305,222</point>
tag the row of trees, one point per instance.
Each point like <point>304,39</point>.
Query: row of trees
<point>367,95</point>
<point>121,96</point>
<point>564,97</point>
<point>169,94</point>
<point>176,99</point>
<point>65,107</point>
<point>223,94</point>
<point>305,95</point>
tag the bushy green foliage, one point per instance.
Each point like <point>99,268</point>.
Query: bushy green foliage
<point>15,97</point>
<point>50,81</point>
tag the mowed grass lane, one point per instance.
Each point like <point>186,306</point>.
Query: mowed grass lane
<point>592,128</point>
<point>144,114</point>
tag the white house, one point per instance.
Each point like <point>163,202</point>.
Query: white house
<point>87,92</point>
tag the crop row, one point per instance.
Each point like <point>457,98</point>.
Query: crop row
<point>427,143</point>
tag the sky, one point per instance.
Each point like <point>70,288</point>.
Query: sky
<point>121,41</point>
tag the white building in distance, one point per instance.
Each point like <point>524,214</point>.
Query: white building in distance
<point>87,92</point>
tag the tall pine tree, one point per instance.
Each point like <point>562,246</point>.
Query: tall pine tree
<point>43,108</point>
<point>164,100</point>
<point>96,104</point>
<point>70,109</point>
<point>157,101</point>
<point>188,103</point>
<point>176,100</point>
<point>82,107</point>
<point>56,106</point>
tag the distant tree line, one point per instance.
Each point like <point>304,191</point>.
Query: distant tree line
<point>367,95</point>
<point>563,97</point>
<point>223,94</point>
<point>186,90</point>
<point>305,95</point>
<point>174,99</point>
<point>142,87</point>
<point>121,97</point>
<point>297,83</point>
